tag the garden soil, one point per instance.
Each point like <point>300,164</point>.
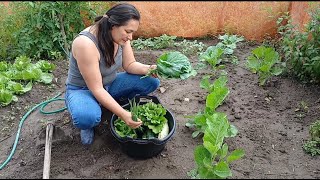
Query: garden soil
<point>272,121</point>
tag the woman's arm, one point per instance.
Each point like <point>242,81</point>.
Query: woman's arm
<point>130,64</point>
<point>87,56</point>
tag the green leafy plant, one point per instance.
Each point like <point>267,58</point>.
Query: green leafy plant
<point>47,27</point>
<point>44,29</point>
<point>152,116</point>
<point>190,47</point>
<point>123,130</point>
<point>173,64</point>
<point>6,97</point>
<point>212,157</point>
<point>162,42</point>
<point>187,47</point>
<point>315,131</point>
<point>218,91</point>
<point>17,78</point>
<point>313,146</point>
<point>229,43</point>
<point>212,56</point>
<point>265,62</point>
<point>221,52</point>
<point>300,49</point>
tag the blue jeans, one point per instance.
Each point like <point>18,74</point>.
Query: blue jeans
<point>86,111</point>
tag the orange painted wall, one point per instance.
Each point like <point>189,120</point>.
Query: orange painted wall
<point>191,19</point>
<point>299,12</point>
<point>6,2</point>
<point>254,20</point>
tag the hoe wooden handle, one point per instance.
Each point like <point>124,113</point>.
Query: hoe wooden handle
<point>47,155</point>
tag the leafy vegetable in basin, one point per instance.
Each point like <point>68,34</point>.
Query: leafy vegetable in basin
<point>155,125</point>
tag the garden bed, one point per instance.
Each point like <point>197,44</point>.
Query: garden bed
<point>272,122</point>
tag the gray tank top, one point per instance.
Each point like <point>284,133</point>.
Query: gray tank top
<point>108,74</point>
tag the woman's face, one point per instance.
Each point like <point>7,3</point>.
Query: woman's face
<point>122,34</point>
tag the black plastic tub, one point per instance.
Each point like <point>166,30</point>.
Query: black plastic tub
<point>143,148</point>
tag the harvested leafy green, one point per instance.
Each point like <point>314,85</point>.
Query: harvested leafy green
<point>173,65</point>
<point>123,130</point>
<point>151,114</point>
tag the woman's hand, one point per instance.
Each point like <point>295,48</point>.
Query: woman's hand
<point>153,67</point>
<point>127,118</point>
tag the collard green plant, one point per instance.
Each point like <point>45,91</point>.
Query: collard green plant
<point>265,62</point>
<point>175,65</point>
<point>212,56</point>
<point>164,41</point>
<point>218,91</point>
<point>212,157</point>
<point>229,43</point>
<point>221,52</point>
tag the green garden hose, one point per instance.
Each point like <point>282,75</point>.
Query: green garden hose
<point>42,105</point>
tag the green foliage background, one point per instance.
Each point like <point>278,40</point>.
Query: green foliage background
<point>301,50</point>
<point>38,29</point>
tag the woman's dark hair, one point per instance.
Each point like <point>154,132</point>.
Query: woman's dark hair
<point>118,15</point>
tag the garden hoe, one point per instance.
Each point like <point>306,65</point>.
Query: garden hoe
<point>47,155</point>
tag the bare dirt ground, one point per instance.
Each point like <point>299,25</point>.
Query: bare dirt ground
<point>272,128</point>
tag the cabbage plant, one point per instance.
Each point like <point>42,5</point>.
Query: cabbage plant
<point>173,64</point>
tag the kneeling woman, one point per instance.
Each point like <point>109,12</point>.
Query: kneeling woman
<point>93,81</point>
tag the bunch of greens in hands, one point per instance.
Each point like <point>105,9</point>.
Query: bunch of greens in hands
<point>173,65</point>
